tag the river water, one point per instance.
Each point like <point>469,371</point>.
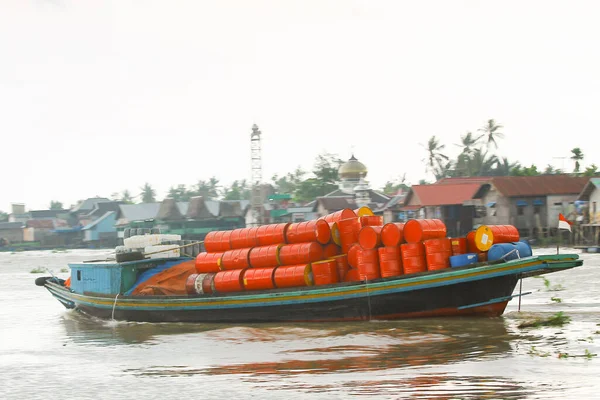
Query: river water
<point>47,351</point>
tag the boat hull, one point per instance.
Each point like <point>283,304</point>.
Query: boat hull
<point>472,291</point>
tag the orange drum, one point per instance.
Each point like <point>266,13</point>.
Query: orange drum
<point>243,238</point>
<point>342,266</point>
<point>437,253</point>
<point>471,247</point>
<point>208,262</point>
<point>413,257</point>
<point>369,237</point>
<point>259,278</point>
<point>217,241</point>
<point>390,261</point>
<point>300,253</point>
<point>265,256</point>
<point>368,264</point>
<point>293,276</point>
<point>229,281</point>
<point>352,276</point>
<point>488,235</point>
<point>417,230</point>
<point>271,234</point>
<point>348,229</point>
<point>437,246</point>
<point>363,211</point>
<point>437,261</point>
<point>330,250</point>
<point>340,215</point>
<point>353,255</point>
<point>235,259</point>
<point>309,231</point>
<point>325,272</point>
<point>370,220</point>
<point>392,234</point>
<point>459,246</point>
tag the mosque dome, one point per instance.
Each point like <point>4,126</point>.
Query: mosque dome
<point>352,169</point>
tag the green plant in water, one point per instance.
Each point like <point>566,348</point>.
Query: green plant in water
<point>556,299</point>
<point>589,355</point>
<point>558,319</point>
<point>550,287</point>
<point>64,270</point>
<point>536,352</point>
<point>38,270</point>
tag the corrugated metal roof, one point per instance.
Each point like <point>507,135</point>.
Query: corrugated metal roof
<point>464,180</point>
<point>183,207</point>
<point>139,212</point>
<point>442,195</point>
<point>593,184</point>
<point>40,223</point>
<point>11,225</point>
<point>542,185</point>
<point>213,207</point>
<point>88,204</point>
<point>96,222</point>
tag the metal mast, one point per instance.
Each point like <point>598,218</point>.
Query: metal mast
<point>255,155</point>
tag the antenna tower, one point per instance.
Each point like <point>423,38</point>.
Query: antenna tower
<point>256,157</point>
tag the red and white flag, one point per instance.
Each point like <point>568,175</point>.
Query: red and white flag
<point>564,223</point>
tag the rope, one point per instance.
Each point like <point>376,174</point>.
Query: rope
<point>114,305</point>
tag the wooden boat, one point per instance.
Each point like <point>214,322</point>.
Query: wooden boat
<point>482,289</point>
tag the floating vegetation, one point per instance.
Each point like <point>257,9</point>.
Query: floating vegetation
<point>535,352</point>
<point>556,299</point>
<point>60,251</point>
<point>587,355</point>
<point>550,287</point>
<point>38,270</point>
<point>64,270</point>
<point>558,319</point>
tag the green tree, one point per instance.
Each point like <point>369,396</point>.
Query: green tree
<point>56,205</point>
<point>326,171</point>
<point>3,216</point>
<point>435,157</point>
<point>148,193</point>
<point>577,155</point>
<point>550,170</point>
<point>504,167</point>
<point>180,193</point>
<point>126,197</point>
<point>491,132</point>
<point>208,189</point>
<point>592,170</point>
<point>238,190</point>
<point>308,190</point>
<point>288,184</point>
<point>525,171</point>
<point>391,187</point>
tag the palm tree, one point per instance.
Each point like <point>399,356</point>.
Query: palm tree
<point>148,193</point>
<point>577,156</point>
<point>491,130</point>
<point>482,165</point>
<point>467,141</point>
<point>126,197</point>
<point>434,154</point>
<point>504,167</point>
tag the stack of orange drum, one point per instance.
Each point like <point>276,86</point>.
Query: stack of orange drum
<point>345,246</point>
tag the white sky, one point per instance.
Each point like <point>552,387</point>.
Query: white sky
<point>101,96</point>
